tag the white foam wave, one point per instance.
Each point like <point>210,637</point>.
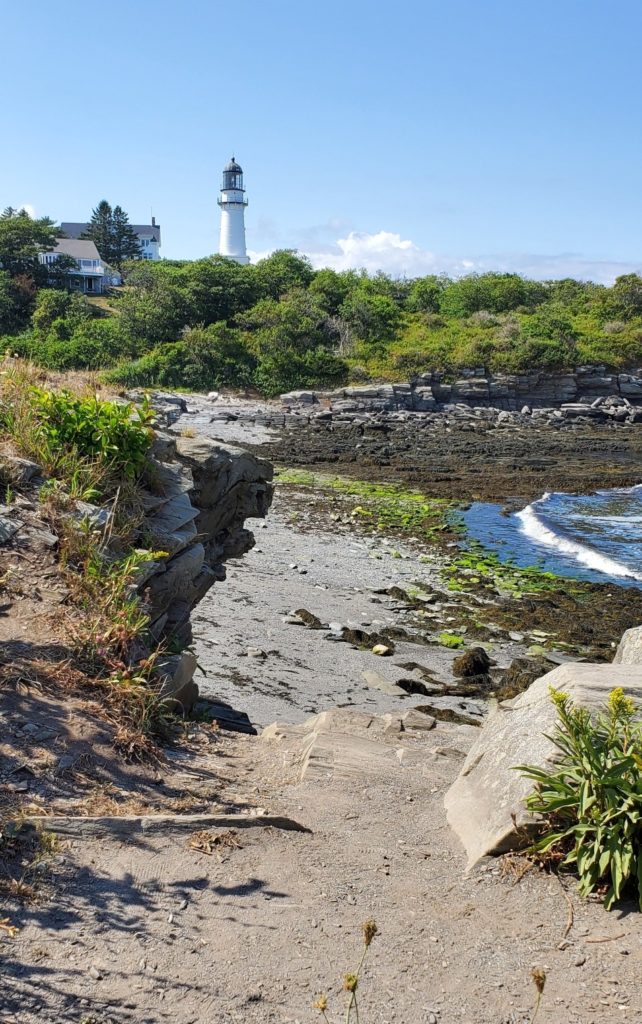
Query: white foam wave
<point>538,531</point>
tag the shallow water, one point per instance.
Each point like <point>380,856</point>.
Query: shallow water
<point>596,537</point>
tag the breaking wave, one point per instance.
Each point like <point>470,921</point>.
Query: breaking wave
<point>555,520</point>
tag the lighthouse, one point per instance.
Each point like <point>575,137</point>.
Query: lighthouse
<point>233,202</point>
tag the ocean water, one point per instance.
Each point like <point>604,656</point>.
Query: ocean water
<point>595,537</point>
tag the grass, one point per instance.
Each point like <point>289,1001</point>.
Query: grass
<point>95,450</point>
<point>384,506</point>
<point>90,444</point>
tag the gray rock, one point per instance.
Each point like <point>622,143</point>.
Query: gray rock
<point>255,652</point>
<point>18,471</point>
<point>415,719</point>
<point>8,528</point>
<point>379,683</point>
<point>629,650</point>
<point>93,514</point>
<point>485,805</point>
<point>175,673</point>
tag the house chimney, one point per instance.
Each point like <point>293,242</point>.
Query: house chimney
<point>153,222</point>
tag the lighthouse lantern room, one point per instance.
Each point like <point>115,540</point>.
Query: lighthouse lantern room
<point>232,202</point>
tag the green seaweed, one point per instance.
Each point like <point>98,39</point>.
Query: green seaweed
<point>452,640</point>
<point>477,568</point>
<point>385,506</point>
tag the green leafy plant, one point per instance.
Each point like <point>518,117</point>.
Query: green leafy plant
<point>90,444</point>
<point>590,803</point>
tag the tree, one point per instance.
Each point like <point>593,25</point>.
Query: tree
<point>627,293</point>
<point>17,297</point>
<point>298,321</point>
<point>424,294</point>
<point>100,230</point>
<point>492,292</point>
<point>216,356</point>
<point>374,318</point>
<point>216,289</point>
<point>124,242</point>
<point>282,271</point>
<point>112,234</point>
<point>22,239</point>
<point>151,316</point>
<point>54,306</point>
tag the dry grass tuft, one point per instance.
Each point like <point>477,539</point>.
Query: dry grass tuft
<point>209,842</point>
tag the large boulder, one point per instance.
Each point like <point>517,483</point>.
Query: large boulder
<point>485,805</point>
<point>629,650</point>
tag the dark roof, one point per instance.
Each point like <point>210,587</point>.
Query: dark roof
<point>74,229</point>
<point>80,249</point>
<point>233,166</point>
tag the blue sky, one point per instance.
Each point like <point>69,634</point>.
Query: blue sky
<point>415,137</point>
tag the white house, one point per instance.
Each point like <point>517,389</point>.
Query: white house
<point>149,236</point>
<point>92,276</point>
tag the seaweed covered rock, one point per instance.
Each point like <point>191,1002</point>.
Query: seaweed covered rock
<point>520,674</point>
<point>474,662</point>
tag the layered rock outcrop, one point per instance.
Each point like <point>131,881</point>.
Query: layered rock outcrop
<point>196,501</point>
<point>207,492</point>
<point>583,392</point>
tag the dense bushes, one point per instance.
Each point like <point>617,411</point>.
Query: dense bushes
<point>279,325</point>
<point>92,444</point>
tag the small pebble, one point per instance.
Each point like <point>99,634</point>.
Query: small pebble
<point>580,960</point>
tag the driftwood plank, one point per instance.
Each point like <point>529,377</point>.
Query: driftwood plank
<point>152,824</point>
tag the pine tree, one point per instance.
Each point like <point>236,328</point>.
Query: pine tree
<point>101,231</point>
<point>125,244</point>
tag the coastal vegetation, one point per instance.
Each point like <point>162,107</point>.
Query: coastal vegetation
<point>590,803</point>
<point>279,324</point>
<point>90,450</point>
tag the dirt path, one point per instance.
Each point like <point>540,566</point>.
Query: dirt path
<point>155,931</point>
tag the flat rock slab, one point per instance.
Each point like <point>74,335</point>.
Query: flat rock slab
<point>345,756</point>
<point>384,685</point>
<point>485,804</point>
<point>137,824</point>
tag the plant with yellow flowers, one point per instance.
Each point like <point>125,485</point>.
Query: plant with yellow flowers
<point>350,981</point>
<point>590,802</point>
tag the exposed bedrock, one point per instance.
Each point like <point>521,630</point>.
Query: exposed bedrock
<point>207,491</point>
<point>590,391</point>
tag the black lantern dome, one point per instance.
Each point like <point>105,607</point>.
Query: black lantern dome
<point>233,176</point>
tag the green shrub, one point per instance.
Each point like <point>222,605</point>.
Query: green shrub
<point>283,371</point>
<point>590,804</point>
<point>207,357</point>
<point>162,367</point>
<point>71,434</point>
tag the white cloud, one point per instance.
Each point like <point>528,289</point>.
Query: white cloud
<point>401,257</point>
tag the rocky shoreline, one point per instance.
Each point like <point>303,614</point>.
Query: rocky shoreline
<point>230,876</point>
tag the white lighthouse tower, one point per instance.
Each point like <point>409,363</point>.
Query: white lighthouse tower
<point>233,202</point>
